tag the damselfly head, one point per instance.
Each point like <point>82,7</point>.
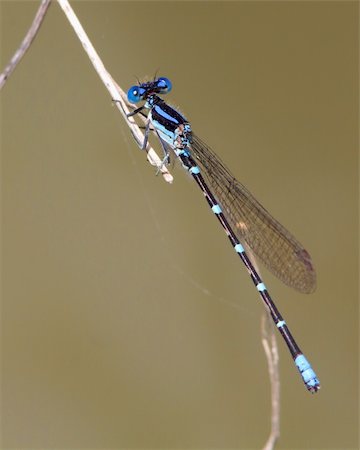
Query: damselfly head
<point>141,92</point>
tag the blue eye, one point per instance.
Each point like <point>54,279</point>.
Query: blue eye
<point>134,94</point>
<point>164,84</point>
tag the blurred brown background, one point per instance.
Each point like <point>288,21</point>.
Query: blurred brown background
<point>96,351</point>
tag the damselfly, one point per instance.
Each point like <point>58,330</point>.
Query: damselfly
<point>245,221</point>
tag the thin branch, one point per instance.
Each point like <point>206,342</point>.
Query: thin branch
<point>272,356</point>
<point>30,36</point>
<point>117,94</point>
<point>269,343</point>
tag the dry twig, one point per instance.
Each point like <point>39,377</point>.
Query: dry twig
<point>115,91</point>
<point>30,36</point>
<point>272,356</point>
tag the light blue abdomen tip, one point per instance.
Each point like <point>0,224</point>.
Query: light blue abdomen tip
<point>308,375</point>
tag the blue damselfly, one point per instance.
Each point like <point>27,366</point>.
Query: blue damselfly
<point>245,221</point>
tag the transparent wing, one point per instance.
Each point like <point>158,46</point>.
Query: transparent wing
<point>276,247</point>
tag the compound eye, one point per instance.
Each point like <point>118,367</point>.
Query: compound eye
<point>164,85</point>
<point>134,94</point>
